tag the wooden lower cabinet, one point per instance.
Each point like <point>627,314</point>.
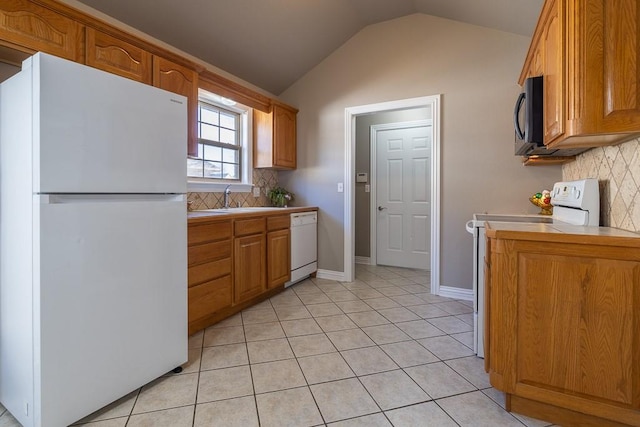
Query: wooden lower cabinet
<point>249,256</point>
<point>235,263</point>
<point>278,250</point>
<point>278,257</point>
<point>209,297</point>
<point>209,274</point>
<point>564,328</point>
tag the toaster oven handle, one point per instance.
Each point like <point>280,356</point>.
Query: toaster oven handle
<point>516,113</point>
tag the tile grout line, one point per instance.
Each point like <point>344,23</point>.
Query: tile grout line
<point>328,292</point>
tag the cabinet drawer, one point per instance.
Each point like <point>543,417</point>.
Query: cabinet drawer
<point>278,222</point>
<point>199,254</point>
<point>209,297</point>
<point>208,271</point>
<point>244,227</point>
<point>208,232</point>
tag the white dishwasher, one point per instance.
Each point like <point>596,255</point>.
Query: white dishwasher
<point>304,245</point>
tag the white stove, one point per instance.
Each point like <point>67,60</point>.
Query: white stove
<point>574,203</point>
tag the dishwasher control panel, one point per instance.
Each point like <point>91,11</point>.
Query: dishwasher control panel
<point>303,218</point>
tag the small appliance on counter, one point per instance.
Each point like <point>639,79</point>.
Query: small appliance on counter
<point>574,203</point>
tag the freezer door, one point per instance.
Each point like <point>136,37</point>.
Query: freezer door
<point>113,298</point>
<point>96,132</point>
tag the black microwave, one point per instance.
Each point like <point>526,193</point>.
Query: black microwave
<point>528,122</point>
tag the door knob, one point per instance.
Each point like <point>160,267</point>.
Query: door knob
<point>380,208</point>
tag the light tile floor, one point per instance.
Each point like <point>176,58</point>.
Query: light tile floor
<point>379,351</point>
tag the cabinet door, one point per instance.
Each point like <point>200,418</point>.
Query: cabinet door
<point>249,257</point>
<point>278,258</point>
<point>577,320</point>
<point>537,63</point>
<point>486,336</point>
<point>621,65</point>
<point>284,137</point>
<point>118,57</point>
<point>262,139</point>
<point>553,49</point>
<point>184,81</point>
<point>274,138</point>
<point>40,29</point>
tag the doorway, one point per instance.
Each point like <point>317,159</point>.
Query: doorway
<point>400,234</point>
<point>432,103</point>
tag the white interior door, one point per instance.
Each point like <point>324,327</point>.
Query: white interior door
<point>403,196</point>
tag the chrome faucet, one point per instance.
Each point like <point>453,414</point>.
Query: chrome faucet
<point>227,191</point>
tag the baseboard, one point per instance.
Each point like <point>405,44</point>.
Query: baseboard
<point>363,260</point>
<point>330,275</point>
<point>456,293</point>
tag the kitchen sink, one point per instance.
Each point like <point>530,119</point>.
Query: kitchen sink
<point>238,210</point>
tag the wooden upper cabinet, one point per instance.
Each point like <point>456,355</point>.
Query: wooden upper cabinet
<point>38,28</point>
<point>274,136</point>
<point>117,56</point>
<point>606,42</point>
<point>184,81</point>
<point>284,135</point>
<point>591,69</point>
<point>552,50</point>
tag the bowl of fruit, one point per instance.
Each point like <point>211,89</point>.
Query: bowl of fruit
<point>543,201</point>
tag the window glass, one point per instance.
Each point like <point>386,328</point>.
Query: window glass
<point>219,146</point>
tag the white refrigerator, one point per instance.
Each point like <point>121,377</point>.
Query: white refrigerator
<point>93,263</point>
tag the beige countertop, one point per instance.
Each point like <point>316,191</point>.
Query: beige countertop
<point>562,233</point>
<point>232,213</point>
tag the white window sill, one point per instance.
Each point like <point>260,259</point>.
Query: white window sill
<point>218,187</point>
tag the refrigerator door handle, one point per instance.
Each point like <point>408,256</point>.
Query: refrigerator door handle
<point>109,198</point>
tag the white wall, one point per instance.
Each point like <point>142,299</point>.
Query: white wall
<point>475,69</point>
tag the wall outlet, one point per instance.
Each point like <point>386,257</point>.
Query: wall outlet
<point>256,191</point>
<point>367,188</point>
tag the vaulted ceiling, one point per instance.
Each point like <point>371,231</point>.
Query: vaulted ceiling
<point>272,43</point>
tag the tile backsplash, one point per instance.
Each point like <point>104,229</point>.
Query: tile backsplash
<point>617,169</point>
<point>263,178</point>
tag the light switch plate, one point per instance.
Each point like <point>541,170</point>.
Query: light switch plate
<point>340,187</point>
<point>256,191</point>
<point>367,188</point>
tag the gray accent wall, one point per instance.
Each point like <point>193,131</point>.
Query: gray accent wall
<point>476,70</point>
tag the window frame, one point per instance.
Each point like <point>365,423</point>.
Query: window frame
<point>245,129</point>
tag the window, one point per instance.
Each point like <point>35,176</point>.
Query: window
<point>219,144</point>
